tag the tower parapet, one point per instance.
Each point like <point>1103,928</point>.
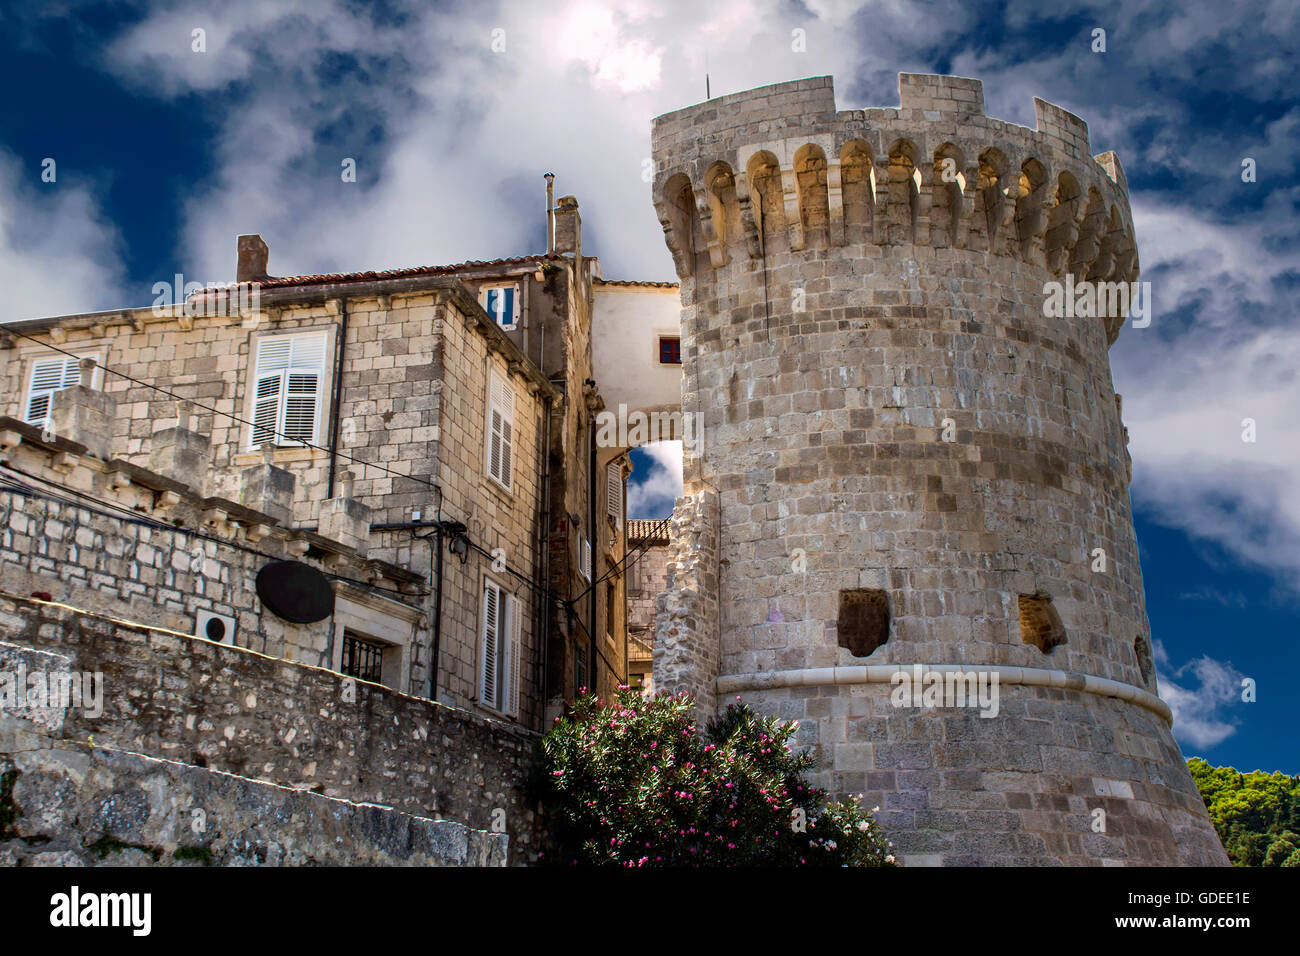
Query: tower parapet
<point>908,464</point>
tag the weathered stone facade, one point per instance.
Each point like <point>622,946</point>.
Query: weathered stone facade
<point>441,475</point>
<point>891,418</point>
<point>196,759</point>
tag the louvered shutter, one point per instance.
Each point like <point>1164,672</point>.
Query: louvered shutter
<point>288,380</point>
<point>584,559</point>
<point>491,639</point>
<point>614,492</point>
<point>515,630</point>
<point>266,408</point>
<point>48,377</point>
<point>501,421</point>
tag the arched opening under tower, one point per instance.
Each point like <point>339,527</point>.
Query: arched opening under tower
<point>1031,217</point>
<point>1090,232</point>
<point>1063,222</point>
<point>724,207</point>
<point>904,193</point>
<point>768,201</point>
<point>814,199</point>
<point>682,229</point>
<point>856,191</point>
<point>990,195</point>
<point>949,184</point>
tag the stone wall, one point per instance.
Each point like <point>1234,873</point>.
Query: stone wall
<point>686,633</point>
<point>208,706</point>
<point>82,805</point>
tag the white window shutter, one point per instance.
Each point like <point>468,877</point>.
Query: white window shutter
<point>584,560</point>
<point>266,408</point>
<point>301,397</point>
<point>614,492</point>
<point>288,379</point>
<point>500,426</point>
<point>273,354</point>
<point>48,377</point>
<point>515,636</point>
<point>491,637</point>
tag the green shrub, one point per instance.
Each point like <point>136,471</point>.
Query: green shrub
<point>634,782</point>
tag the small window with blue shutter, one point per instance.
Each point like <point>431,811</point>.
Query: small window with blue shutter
<point>502,303</point>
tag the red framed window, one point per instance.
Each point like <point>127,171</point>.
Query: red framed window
<point>670,350</point>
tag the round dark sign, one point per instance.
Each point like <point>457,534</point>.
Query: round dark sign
<point>295,591</point>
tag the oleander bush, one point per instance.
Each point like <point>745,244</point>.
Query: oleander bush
<point>634,782</point>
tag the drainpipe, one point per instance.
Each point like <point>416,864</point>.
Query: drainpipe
<point>543,628</point>
<point>338,393</point>
<point>436,543</point>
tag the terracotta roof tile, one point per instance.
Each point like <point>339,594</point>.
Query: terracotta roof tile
<point>330,278</point>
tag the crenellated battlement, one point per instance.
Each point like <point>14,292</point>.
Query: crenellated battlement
<point>778,169</point>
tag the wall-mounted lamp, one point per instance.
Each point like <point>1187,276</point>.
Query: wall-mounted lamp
<point>459,543</point>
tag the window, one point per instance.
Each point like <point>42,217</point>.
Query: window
<point>377,638</point>
<point>1040,625</point>
<point>581,679</point>
<point>502,303</point>
<point>287,384</point>
<point>611,609</point>
<point>49,376</point>
<point>584,558</point>
<point>614,492</point>
<point>499,650</point>
<point>500,428</point>
<point>863,622</point>
<point>670,350</point>
<point>362,659</point>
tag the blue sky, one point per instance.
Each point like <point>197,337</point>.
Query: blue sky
<point>452,112</point>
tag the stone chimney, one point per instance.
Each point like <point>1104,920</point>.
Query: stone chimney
<point>550,213</point>
<point>568,227</point>
<point>253,257</point>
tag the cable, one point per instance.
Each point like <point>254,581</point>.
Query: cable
<point>306,444</point>
<point>640,548</point>
<point>233,417</point>
<point>129,517</point>
<point>303,443</point>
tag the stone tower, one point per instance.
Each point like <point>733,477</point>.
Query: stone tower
<point>906,465</point>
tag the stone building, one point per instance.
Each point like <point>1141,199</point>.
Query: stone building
<point>390,477</point>
<point>913,471</point>
<point>408,415</point>
<point>647,579</point>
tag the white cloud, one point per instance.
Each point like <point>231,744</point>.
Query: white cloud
<point>463,134</point>
<point>1198,712</point>
<point>652,494</point>
<point>1219,351</point>
<point>58,254</point>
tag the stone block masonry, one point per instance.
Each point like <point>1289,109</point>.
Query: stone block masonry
<point>890,414</point>
<point>176,708</point>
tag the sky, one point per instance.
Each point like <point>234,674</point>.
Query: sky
<point>167,144</point>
